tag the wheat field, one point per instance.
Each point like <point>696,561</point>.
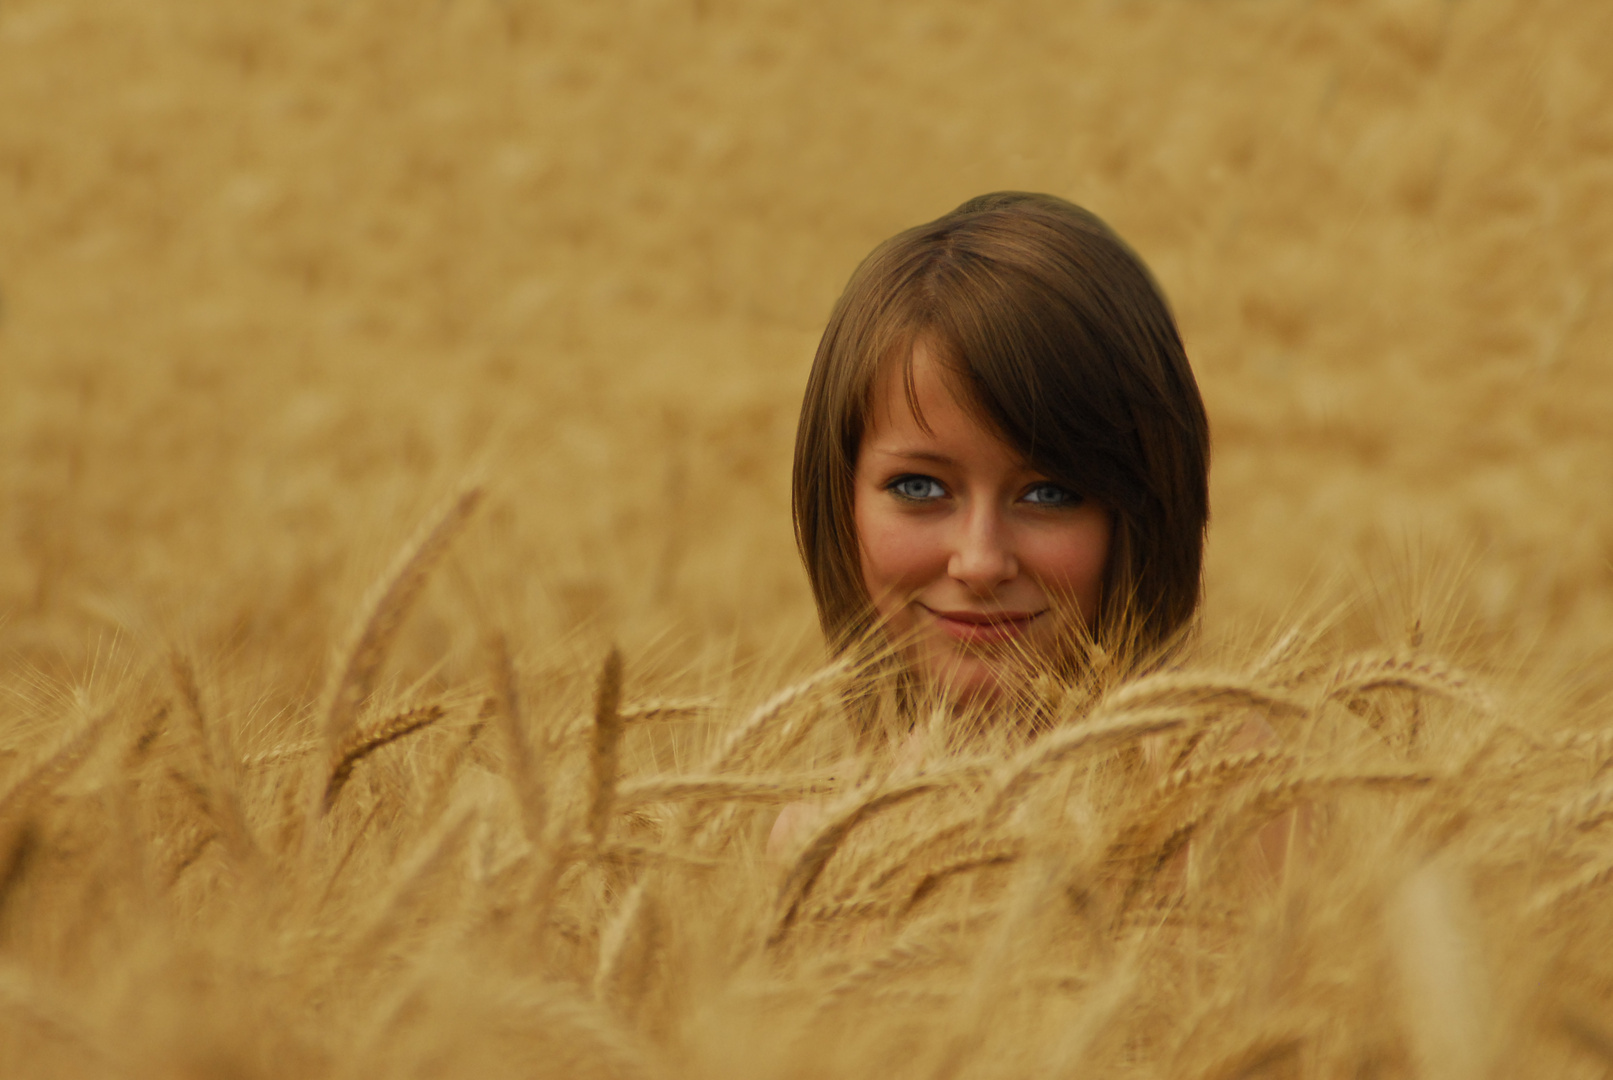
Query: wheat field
<point>403,652</point>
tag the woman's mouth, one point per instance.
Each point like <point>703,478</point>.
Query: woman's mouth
<point>983,627</point>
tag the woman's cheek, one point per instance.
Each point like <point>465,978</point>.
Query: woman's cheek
<point>1071,561</point>
<point>897,556</point>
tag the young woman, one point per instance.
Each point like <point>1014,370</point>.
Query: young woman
<point>1002,453</point>
<point>1002,463</point>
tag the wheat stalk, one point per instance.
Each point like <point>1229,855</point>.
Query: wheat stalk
<point>23,996</point>
<point>429,862</point>
<point>21,846</point>
<point>902,957</point>
<point>359,834</point>
<point>616,1046</point>
<point>1254,1058</point>
<point>621,852</point>
<point>1588,1031</point>
<point>388,606</point>
<point>606,742</point>
<point>614,937</point>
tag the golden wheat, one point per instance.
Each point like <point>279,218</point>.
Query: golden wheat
<point>273,276</point>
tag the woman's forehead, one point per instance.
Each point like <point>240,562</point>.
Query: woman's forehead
<point>918,399</point>
<point>913,381</point>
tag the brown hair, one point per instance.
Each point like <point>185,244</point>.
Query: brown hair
<point>1056,333</point>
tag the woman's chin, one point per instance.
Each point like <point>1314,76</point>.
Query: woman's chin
<point>971,680</point>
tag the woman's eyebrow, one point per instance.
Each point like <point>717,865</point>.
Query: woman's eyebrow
<point>920,455</point>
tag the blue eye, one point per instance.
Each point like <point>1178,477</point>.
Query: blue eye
<point>1053,495</point>
<point>916,488</point>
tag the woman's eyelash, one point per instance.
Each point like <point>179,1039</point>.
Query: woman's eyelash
<point>916,488</point>
<point>1053,495</point>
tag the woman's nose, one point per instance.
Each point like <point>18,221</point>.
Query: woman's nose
<point>982,555</point>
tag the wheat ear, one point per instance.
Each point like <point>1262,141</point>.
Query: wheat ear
<point>218,799</point>
<point>1178,789</point>
<point>605,746</point>
<point>283,753</point>
<point>974,856</point>
<point>524,766</point>
<point>1383,671</point>
<point>1219,770</point>
<point>191,694</point>
<point>840,910</point>
<point>745,743</point>
<point>758,789</point>
<point>809,865</point>
<point>748,736</point>
<point>53,769</point>
<point>394,595</point>
<point>1282,794</point>
<point>1153,862</point>
<point>1251,809</point>
<point>366,741</point>
<point>1227,691</point>
<point>1047,752</point>
<point>893,865</point>
<point>1285,648</point>
<point>666,708</point>
<point>1583,813</point>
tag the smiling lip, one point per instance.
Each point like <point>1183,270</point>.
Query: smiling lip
<point>981,627</point>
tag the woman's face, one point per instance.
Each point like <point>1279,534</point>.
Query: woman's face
<point>972,558</point>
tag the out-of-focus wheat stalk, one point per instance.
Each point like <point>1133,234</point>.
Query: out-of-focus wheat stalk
<point>363,742</point>
<point>1022,901</point>
<point>386,609</point>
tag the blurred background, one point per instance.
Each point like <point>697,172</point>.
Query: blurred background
<point>275,277</point>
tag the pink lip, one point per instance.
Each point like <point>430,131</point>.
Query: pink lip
<point>984,627</point>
